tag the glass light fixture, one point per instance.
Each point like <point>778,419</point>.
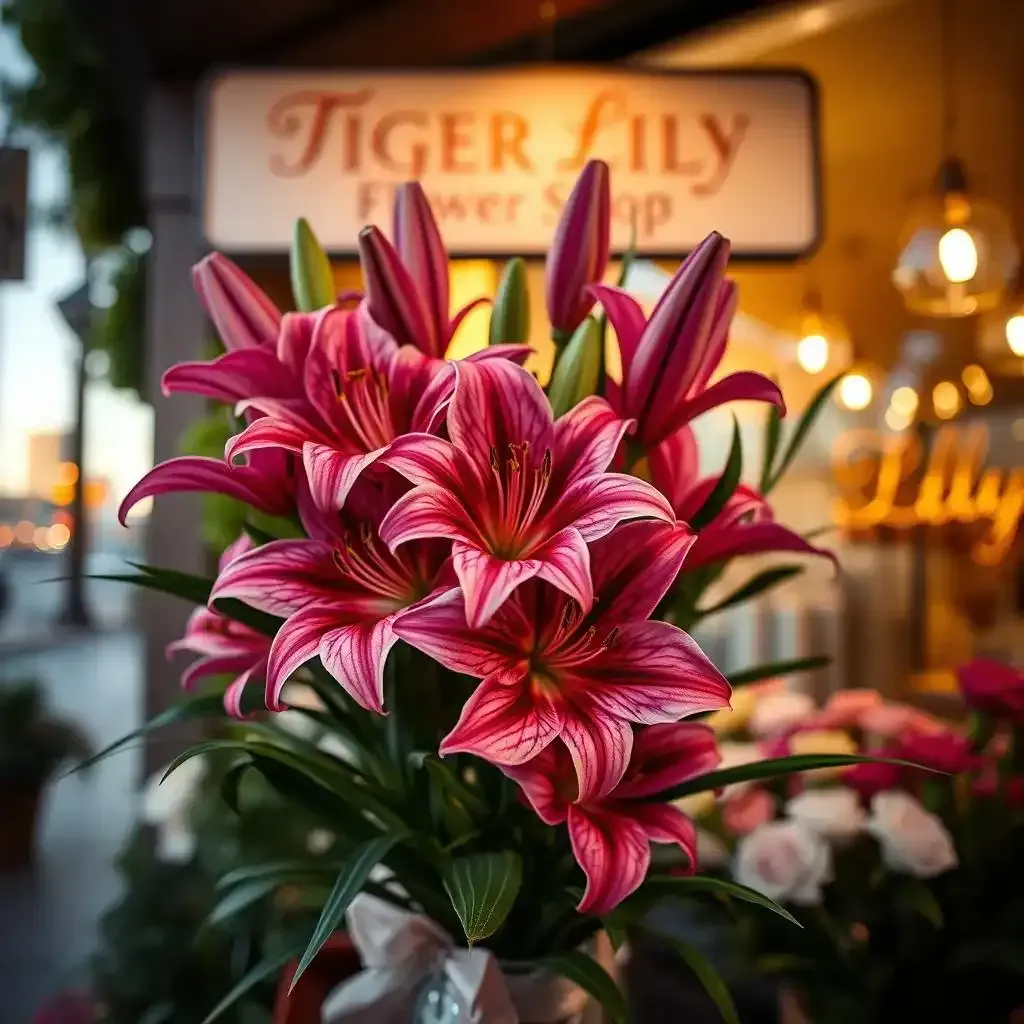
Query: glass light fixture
<point>855,391</point>
<point>824,341</point>
<point>1000,339</point>
<point>958,253</point>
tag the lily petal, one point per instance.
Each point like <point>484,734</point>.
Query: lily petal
<point>586,439</point>
<point>355,655</point>
<point>236,690</point>
<point>498,404</point>
<point>613,851</point>
<point>331,474</point>
<point>511,351</point>
<point>745,386</point>
<point>635,565</point>
<point>426,459</point>
<point>267,432</point>
<point>565,563</point>
<point>715,543</point>
<point>216,665</point>
<point>191,473</point>
<point>600,745</point>
<point>281,577</point>
<point>596,505</point>
<point>420,249</point>
<point>675,465</point>
<point>627,319</point>
<point>654,672</point>
<point>664,823</point>
<point>232,377</point>
<point>665,755</point>
<point>241,312</point>
<point>503,722</point>
<point>438,627</point>
<point>542,780</point>
<point>488,581</point>
<point>426,511</point>
<point>297,642</point>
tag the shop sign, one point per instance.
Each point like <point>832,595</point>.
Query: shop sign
<point>498,151</point>
<point>886,481</point>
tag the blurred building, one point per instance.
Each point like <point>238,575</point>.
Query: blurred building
<point>899,88</point>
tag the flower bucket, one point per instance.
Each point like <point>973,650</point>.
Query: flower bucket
<point>337,961</point>
<point>20,800</point>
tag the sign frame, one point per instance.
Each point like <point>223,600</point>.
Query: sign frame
<point>264,255</point>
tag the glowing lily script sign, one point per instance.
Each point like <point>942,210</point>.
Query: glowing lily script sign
<point>498,151</point>
<point>885,481</point>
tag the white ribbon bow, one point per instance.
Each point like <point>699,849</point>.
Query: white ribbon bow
<point>400,950</point>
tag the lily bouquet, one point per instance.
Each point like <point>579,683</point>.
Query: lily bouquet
<point>904,878</point>
<point>480,579</point>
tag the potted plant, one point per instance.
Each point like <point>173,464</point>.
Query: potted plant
<point>486,583</point>
<point>34,743</point>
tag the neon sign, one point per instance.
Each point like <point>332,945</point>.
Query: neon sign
<point>885,481</point>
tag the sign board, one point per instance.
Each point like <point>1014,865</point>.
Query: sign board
<point>498,151</point>
<point>13,212</point>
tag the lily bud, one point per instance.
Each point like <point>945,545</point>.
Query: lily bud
<point>579,254</point>
<point>392,299</point>
<point>241,312</point>
<point>419,247</point>
<point>578,369</point>
<point>312,280</point>
<point>510,315</point>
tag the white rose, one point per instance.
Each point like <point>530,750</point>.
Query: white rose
<point>786,861</point>
<point>777,712</point>
<point>834,813</point>
<point>913,840</point>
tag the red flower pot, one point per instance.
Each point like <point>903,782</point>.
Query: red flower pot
<point>334,963</point>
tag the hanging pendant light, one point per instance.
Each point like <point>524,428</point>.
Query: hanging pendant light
<point>957,253</point>
<point>1000,338</point>
<point>824,342</point>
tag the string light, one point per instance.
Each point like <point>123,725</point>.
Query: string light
<point>946,400</point>
<point>855,392</point>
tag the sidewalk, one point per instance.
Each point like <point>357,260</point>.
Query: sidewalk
<point>48,918</point>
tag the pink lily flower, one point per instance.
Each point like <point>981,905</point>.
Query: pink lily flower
<point>266,483</point>
<point>341,593</point>
<point>226,647</point>
<point>241,311</point>
<point>521,495</point>
<point>579,254</point>
<point>407,283</point>
<point>668,360</point>
<point>274,370</point>
<point>611,837</point>
<point>745,526</point>
<point>361,392</point>
<point>552,671</point>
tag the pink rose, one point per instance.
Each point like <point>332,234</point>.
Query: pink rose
<point>785,861</point>
<point>891,720</point>
<point>993,687</point>
<point>844,708</point>
<point>945,752</point>
<point>871,778</point>
<point>747,810</point>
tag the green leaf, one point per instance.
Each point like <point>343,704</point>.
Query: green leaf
<point>267,968</point>
<point>263,623</point>
<point>770,769</point>
<point>240,898</point>
<point>727,482</point>
<point>449,781</point>
<point>232,780</point>
<point>616,935</point>
<point>352,877</point>
<point>579,368</point>
<point>758,584</point>
<point>919,899</point>
<point>706,975</point>
<point>510,313</point>
<point>279,870</point>
<point>184,711</point>
<point>312,280</point>
<point>777,668</point>
<point>482,890</point>
<point>660,886</point>
<point>772,435</point>
<point>592,978</point>
<point>803,427</point>
<point>629,256</point>
<point>195,589</point>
